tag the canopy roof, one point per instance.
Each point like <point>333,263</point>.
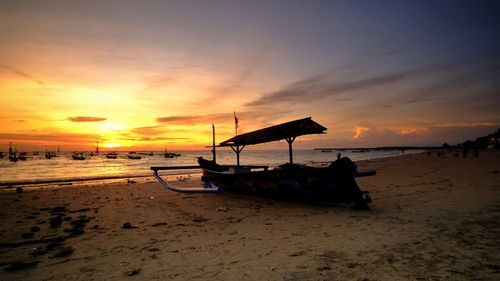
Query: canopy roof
<point>287,130</point>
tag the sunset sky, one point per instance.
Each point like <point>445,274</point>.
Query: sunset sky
<point>145,74</point>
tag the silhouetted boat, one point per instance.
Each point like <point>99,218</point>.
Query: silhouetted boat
<point>170,154</point>
<point>22,156</point>
<point>13,157</point>
<point>50,154</point>
<point>78,156</point>
<point>133,155</point>
<point>111,155</point>
<point>1,154</point>
<point>333,183</point>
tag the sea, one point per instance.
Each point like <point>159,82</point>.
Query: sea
<point>39,170</point>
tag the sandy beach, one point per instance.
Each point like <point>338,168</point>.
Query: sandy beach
<point>431,219</point>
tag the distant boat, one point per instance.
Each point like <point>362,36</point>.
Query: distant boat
<point>1,154</point>
<point>78,156</point>
<point>13,157</point>
<point>327,151</point>
<point>133,155</point>
<point>22,156</point>
<point>50,154</point>
<point>36,153</point>
<point>111,155</point>
<point>170,154</point>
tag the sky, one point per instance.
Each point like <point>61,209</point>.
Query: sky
<point>148,74</point>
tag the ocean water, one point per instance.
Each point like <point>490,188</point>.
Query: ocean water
<point>63,167</point>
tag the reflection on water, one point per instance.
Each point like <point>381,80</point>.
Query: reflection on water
<point>37,168</point>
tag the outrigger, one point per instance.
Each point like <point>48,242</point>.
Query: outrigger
<point>333,183</point>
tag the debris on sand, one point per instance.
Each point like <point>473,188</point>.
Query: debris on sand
<point>127,225</point>
<point>64,252</point>
<point>132,272</point>
<point>20,265</point>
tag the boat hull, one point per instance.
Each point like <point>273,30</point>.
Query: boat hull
<point>335,183</point>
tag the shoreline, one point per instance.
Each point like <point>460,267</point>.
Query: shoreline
<point>8,185</point>
<point>14,184</point>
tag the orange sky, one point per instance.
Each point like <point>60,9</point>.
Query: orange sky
<point>142,76</point>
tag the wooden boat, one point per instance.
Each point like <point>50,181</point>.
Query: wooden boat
<point>333,183</point>
<point>22,156</point>
<point>111,155</point>
<point>78,156</point>
<point>134,156</point>
<point>13,157</point>
<point>50,154</point>
<point>170,154</point>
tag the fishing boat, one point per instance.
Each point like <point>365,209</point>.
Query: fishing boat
<point>170,154</point>
<point>78,156</point>
<point>50,154</point>
<point>335,182</point>
<point>111,155</point>
<point>13,157</point>
<point>23,156</point>
<point>134,156</point>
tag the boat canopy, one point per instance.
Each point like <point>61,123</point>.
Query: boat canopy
<point>287,131</point>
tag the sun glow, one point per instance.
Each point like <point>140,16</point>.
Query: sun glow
<point>111,145</point>
<point>109,127</point>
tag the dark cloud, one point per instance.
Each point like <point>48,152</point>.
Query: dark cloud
<point>160,139</point>
<point>253,117</point>
<point>23,74</point>
<point>86,119</point>
<point>319,87</point>
<point>196,119</point>
<point>52,137</point>
<point>149,130</point>
<point>464,81</point>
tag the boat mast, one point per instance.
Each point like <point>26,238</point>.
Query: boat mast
<point>97,148</point>
<point>213,144</point>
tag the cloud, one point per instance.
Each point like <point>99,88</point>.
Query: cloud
<point>468,124</point>
<point>23,74</point>
<point>462,82</point>
<point>359,131</point>
<point>149,130</point>
<point>86,119</point>
<point>435,134</point>
<point>51,137</point>
<point>319,87</point>
<point>195,119</point>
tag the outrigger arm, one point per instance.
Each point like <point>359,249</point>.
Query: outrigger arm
<point>207,187</point>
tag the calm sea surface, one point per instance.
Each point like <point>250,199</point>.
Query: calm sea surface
<point>63,167</point>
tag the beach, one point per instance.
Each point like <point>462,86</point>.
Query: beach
<point>432,218</point>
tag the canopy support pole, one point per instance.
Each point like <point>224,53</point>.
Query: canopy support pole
<point>213,143</point>
<point>290,141</point>
<point>237,150</point>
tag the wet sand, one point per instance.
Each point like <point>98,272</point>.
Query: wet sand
<point>431,219</point>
